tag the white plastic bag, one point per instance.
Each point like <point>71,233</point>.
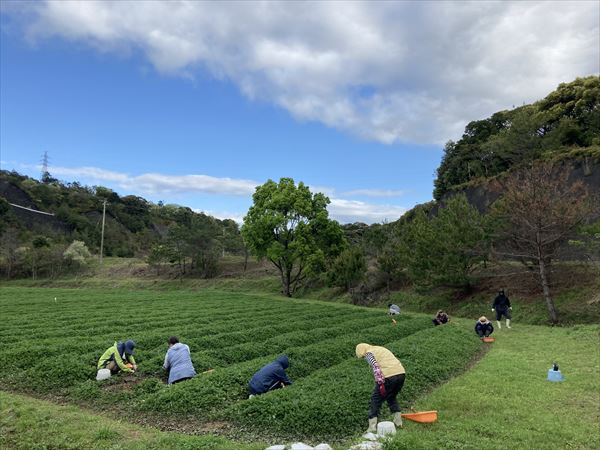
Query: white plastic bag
<point>103,374</point>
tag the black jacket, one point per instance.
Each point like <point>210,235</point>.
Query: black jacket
<point>501,302</point>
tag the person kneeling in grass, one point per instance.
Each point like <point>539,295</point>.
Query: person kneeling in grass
<point>270,377</point>
<point>393,310</point>
<point>483,327</point>
<point>119,357</point>
<point>178,362</point>
<point>389,378</point>
<point>440,318</point>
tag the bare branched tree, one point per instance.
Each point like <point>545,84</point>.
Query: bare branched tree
<point>540,210</point>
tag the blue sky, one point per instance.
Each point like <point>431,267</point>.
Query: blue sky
<point>141,101</point>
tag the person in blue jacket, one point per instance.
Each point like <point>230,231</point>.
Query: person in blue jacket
<point>270,377</point>
<point>178,362</point>
<point>483,327</point>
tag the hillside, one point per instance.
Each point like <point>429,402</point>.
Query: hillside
<point>567,119</point>
<point>580,164</point>
<point>44,217</point>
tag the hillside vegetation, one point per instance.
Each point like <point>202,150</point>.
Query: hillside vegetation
<point>520,191</point>
<point>566,119</point>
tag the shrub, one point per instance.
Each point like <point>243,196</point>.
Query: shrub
<point>333,403</point>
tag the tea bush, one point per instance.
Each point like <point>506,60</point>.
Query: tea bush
<point>333,403</point>
<point>57,335</point>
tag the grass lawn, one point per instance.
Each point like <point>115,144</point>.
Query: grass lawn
<point>505,401</point>
<point>27,423</point>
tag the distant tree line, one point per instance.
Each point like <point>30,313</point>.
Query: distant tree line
<point>170,236</point>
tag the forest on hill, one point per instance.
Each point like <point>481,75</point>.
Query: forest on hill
<point>34,242</point>
<point>536,167</point>
<point>566,120</point>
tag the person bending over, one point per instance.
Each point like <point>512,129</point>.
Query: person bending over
<point>270,377</point>
<point>389,378</point>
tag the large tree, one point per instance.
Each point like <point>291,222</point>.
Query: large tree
<point>538,213</point>
<point>290,226</point>
<point>442,250</point>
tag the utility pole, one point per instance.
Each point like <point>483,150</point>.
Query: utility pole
<point>102,235</point>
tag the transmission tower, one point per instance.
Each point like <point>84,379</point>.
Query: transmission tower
<point>45,161</point>
<point>45,174</point>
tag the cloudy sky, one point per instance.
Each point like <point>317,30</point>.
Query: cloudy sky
<point>196,103</point>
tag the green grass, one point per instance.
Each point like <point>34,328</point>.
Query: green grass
<point>27,423</point>
<point>575,305</point>
<point>505,401</point>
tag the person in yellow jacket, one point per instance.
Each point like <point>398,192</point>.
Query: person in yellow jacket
<point>389,378</point>
<point>119,357</point>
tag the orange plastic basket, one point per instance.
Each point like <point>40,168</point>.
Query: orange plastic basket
<point>421,417</point>
<point>488,339</point>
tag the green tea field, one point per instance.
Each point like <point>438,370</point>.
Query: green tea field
<point>57,335</point>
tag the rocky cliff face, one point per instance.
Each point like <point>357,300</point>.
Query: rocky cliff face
<point>34,221</point>
<point>482,195</point>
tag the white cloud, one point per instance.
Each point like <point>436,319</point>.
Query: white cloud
<point>154,183</point>
<point>373,193</point>
<point>388,71</point>
<point>342,210</point>
<point>222,215</point>
<point>347,211</point>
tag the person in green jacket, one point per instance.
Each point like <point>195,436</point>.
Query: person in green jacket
<point>119,357</point>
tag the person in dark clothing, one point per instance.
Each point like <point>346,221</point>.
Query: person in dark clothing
<point>270,377</point>
<point>502,307</point>
<point>440,318</point>
<point>484,327</point>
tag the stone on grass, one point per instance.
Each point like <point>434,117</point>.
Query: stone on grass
<point>323,446</point>
<point>276,447</point>
<point>300,446</point>
<point>370,436</point>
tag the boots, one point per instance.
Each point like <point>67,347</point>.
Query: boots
<point>499,324</point>
<point>372,425</point>
<point>398,419</point>
<point>508,323</point>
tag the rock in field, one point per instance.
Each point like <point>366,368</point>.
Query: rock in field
<point>300,446</point>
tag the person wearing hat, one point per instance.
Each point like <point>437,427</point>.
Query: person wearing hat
<point>178,362</point>
<point>270,377</point>
<point>389,378</point>
<point>502,307</point>
<point>483,327</point>
<point>440,318</point>
<point>119,357</point>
